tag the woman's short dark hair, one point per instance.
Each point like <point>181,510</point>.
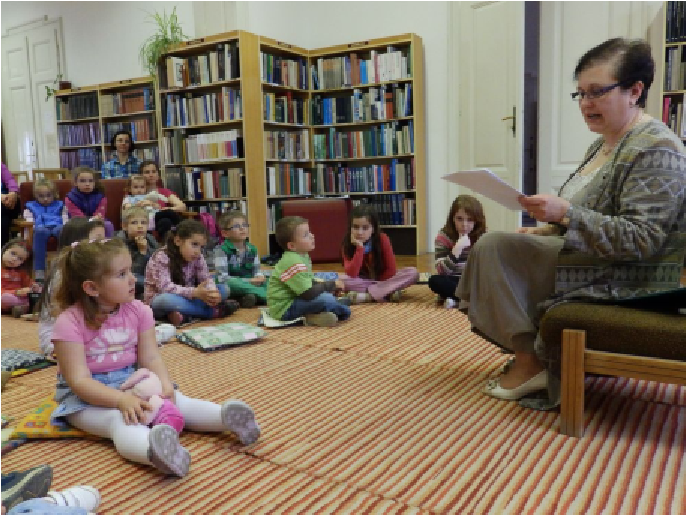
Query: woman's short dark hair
<point>633,62</point>
<point>114,139</point>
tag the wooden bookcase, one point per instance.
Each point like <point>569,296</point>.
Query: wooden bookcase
<point>89,115</point>
<point>278,94</point>
<point>673,80</point>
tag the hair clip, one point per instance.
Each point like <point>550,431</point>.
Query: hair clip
<point>74,244</point>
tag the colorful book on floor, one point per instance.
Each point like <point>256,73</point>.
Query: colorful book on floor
<point>324,276</point>
<point>220,336</point>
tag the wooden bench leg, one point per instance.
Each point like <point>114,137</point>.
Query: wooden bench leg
<point>572,409</point>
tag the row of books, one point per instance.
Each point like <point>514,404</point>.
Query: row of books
<point>91,157</point>
<point>212,146</point>
<point>80,134</point>
<point>217,208</point>
<point>389,139</point>
<point>283,71</point>
<point>398,175</point>
<point>674,115</point>
<point>292,145</point>
<point>75,107</point>
<point>144,154</point>
<point>288,179</point>
<point>392,209</point>
<point>142,129</point>
<point>128,101</point>
<point>382,103</point>
<point>347,71</point>
<point>675,68</point>
<point>189,109</point>
<point>283,108</point>
<point>205,184</point>
<point>220,64</point>
<point>676,22</point>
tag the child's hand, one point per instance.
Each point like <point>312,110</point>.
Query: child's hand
<point>36,288</point>
<point>168,391</point>
<point>23,292</point>
<point>339,284</point>
<point>461,244</point>
<point>142,244</point>
<point>355,241</point>
<point>132,408</point>
<point>257,280</point>
<point>208,293</point>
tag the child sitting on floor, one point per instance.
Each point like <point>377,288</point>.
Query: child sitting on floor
<point>140,242</point>
<point>48,216</point>
<point>87,198</point>
<point>178,285</point>
<point>369,262</point>
<point>100,338</point>
<point>236,261</point>
<point>292,291</point>
<point>137,197</point>
<point>74,230</point>
<point>16,281</point>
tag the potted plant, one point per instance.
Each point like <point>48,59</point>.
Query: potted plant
<point>50,91</point>
<point>168,34</point>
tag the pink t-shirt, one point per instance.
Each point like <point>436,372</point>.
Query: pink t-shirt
<point>115,344</point>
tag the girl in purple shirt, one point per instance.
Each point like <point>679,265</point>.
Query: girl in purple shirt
<point>101,337</point>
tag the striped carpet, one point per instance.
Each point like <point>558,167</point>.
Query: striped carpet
<point>381,414</point>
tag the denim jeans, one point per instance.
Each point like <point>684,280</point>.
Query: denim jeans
<point>323,302</point>
<point>41,235</point>
<point>165,303</point>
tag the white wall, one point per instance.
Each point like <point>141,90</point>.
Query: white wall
<point>101,39</point>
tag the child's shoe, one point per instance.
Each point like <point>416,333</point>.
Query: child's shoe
<point>166,453</point>
<point>345,300</point>
<point>324,319</point>
<point>357,297</point>
<point>248,300</point>
<point>449,303</point>
<point>18,311</point>
<point>81,496</point>
<point>226,308</point>
<point>239,418</point>
<point>18,487</point>
<point>164,333</point>
<point>396,296</point>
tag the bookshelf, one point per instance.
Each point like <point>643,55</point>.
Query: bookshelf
<point>673,91</point>
<point>206,87</point>
<point>374,152</point>
<point>88,116</point>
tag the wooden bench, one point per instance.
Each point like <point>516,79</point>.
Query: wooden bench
<point>612,341</point>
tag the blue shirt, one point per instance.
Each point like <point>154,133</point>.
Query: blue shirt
<point>113,169</point>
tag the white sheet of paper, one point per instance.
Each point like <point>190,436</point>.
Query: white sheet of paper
<point>488,184</point>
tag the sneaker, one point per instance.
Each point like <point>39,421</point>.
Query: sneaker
<point>21,486</point>
<point>396,296</point>
<point>18,311</point>
<point>166,453</point>
<point>345,300</point>
<point>248,300</point>
<point>325,319</point>
<point>80,496</point>
<point>449,304</point>
<point>239,418</point>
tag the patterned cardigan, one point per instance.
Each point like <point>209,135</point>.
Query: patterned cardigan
<point>627,228</point>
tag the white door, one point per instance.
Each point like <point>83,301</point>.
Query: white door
<point>31,60</point>
<point>44,66</point>
<point>490,71</point>
<point>17,105</point>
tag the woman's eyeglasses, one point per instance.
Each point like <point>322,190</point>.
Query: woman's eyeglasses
<point>578,96</point>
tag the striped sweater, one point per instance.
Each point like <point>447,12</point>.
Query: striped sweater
<point>446,262</point>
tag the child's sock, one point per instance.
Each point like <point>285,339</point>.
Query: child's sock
<point>357,297</point>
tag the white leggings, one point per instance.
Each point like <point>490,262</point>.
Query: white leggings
<point>131,441</point>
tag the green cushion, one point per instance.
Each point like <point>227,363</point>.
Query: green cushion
<point>618,329</point>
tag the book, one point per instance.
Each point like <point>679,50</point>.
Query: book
<point>221,336</point>
<point>487,183</point>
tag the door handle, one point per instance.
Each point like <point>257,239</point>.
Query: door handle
<point>513,118</point>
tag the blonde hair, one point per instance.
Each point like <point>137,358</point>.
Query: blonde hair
<point>134,212</point>
<point>85,261</point>
<point>131,180</point>
<point>46,183</point>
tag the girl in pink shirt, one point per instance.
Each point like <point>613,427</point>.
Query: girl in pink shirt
<point>87,198</point>
<point>101,337</point>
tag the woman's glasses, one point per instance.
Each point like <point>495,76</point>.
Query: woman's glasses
<point>592,94</point>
